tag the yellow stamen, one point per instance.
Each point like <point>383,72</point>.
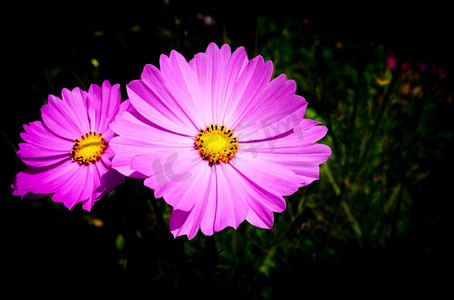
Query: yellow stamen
<point>89,148</point>
<point>216,144</point>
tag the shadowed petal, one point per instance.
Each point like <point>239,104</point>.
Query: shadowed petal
<point>275,110</point>
<point>200,216</point>
<point>138,136</point>
<point>43,180</point>
<point>232,203</point>
<point>273,177</point>
<point>295,151</point>
<point>42,147</point>
<point>151,98</point>
<point>165,169</point>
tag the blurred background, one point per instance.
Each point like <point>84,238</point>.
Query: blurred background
<point>379,76</point>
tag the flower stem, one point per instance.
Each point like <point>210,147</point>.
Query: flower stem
<point>384,104</point>
<point>154,205</point>
<point>330,229</point>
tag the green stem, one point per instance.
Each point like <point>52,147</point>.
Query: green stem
<point>351,130</point>
<point>8,140</point>
<point>380,114</point>
<point>154,205</point>
<point>413,140</point>
<point>330,229</point>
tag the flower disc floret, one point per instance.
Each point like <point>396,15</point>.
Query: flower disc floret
<point>89,148</point>
<point>216,144</point>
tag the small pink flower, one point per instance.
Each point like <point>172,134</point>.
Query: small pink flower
<point>422,66</point>
<point>218,139</point>
<point>406,65</point>
<point>391,62</point>
<point>442,72</point>
<point>69,151</point>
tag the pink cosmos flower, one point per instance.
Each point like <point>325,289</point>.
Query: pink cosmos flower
<point>68,150</point>
<point>217,139</point>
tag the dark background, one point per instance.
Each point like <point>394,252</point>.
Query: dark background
<point>45,246</point>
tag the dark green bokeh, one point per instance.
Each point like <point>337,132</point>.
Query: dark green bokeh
<point>376,219</point>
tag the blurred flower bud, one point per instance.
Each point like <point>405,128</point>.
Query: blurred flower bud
<point>391,62</point>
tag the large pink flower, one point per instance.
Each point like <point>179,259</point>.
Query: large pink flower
<point>69,150</point>
<point>217,139</point>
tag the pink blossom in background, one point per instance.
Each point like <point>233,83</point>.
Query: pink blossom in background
<point>442,72</point>
<point>218,139</point>
<point>391,62</point>
<point>68,150</point>
<point>422,66</point>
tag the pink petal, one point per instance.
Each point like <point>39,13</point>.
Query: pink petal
<point>42,147</point>
<point>75,103</point>
<point>93,186</point>
<point>271,176</point>
<point>182,84</point>
<point>272,112</point>
<point>36,156</point>
<point>76,189</point>
<point>94,107</point>
<point>185,193</point>
<point>165,168</point>
<point>125,106</point>
<point>111,98</point>
<point>43,180</point>
<point>261,203</point>
<point>313,153</point>
<point>251,82</point>
<point>69,182</point>
<point>103,104</point>
<point>133,126</point>
<point>56,113</point>
<point>259,195</point>
<point>105,179</point>
<point>138,136</point>
<point>125,149</point>
<point>90,182</point>
<point>259,216</point>
<point>151,99</point>
<point>200,216</point>
<point>308,133</point>
<point>181,223</point>
<point>308,172</point>
<point>36,133</point>
<point>217,71</point>
<point>219,197</point>
<point>230,69</point>
<point>205,211</point>
<point>295,151</point>
<point>300,141</point>
<point>231,201</point>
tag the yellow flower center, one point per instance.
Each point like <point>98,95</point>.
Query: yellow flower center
<point>216,144</point>
<point>89,148</point>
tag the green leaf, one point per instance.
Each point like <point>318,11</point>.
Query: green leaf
<point>120,242</point>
